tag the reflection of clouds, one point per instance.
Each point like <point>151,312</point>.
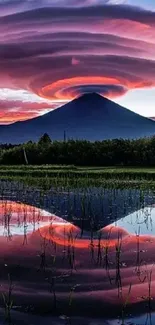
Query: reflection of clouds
<point>18,218</point>
<point>88,274</point>
<point>66,234</point>
<point>22,219</point>
<point>142,220</point>
<point>19,230</point>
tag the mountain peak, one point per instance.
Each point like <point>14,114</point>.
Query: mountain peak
<point>88,117</point>
<point>91,96</point>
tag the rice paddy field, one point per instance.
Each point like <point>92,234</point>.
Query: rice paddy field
<point>77,245</point>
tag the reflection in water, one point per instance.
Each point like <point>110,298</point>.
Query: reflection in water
<point>143,219</point>
<point>81,206</point>
<point>50,259</point>
<point>17,218</point>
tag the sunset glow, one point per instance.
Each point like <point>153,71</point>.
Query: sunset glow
<point>54,51</point>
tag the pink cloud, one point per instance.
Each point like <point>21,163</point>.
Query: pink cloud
<point>16,110</point>
<point>75,61</point>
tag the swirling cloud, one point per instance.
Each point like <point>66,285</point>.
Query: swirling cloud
<point>70,88</point>
<point>58,51</point>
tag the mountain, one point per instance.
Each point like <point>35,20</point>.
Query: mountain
<point>90,117</point>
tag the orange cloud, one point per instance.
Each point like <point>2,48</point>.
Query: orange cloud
<point>67,89</point>
<point>16,110</point>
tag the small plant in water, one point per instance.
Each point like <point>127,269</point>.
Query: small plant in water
<point>125,303</point>
<point>149,281</point>
<point>8,300</point>
<point>42,254</point>
<point>71,249</point>
<point>118,247</point>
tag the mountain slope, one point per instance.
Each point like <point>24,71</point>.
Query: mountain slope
<point>90,117</point>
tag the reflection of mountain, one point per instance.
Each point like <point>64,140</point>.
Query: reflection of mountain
<point>90,117</point>
<point>25,220</point>
<point>102,205</point>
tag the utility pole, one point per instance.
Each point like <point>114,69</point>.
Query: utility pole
<point>25,156</point>
<point>64,136</point>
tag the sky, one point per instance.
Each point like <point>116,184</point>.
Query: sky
<point>52,51</point>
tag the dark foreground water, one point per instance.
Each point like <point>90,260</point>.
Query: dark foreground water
<point>76,256</point>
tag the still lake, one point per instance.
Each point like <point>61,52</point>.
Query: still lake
<point>76,255</point>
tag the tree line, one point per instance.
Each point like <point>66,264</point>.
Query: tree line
<point>117,152</point>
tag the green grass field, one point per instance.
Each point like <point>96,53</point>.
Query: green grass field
<point>101,173</point>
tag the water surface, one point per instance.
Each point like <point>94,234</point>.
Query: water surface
<point>70,253</point>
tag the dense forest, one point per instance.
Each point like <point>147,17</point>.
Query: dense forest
<point>116,152</point>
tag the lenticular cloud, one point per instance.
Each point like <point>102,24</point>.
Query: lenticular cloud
<point>55,50</point>
<point>59,3</point>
